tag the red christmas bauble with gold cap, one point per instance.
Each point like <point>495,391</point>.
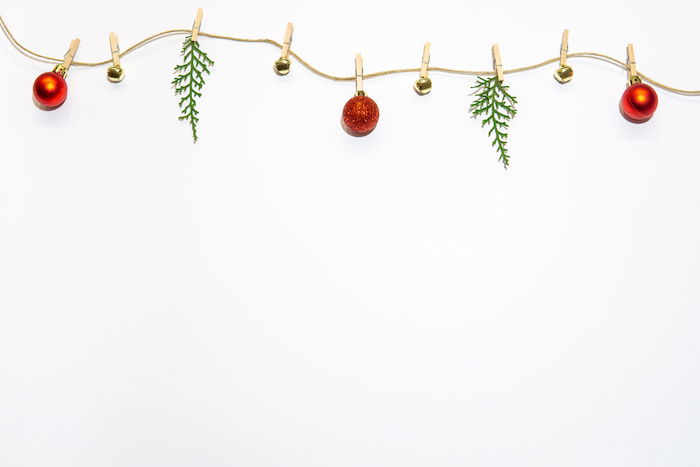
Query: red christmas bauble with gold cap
<point>360,115</point>
<point>638,103</point>
<point>50,90</point>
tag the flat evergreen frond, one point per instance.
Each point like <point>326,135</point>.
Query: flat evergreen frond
<point>496,107</point>
<point>189,81</point>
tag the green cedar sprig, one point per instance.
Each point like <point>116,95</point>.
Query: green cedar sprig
<point>496,108</point>
<point>190,81</point>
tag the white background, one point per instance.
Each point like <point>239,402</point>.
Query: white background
<point>283,294</point>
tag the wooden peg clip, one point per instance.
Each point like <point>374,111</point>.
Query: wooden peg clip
<point>564,73</point>
<point>564,49</point>
<point>114,48</point>
<point>68,58</point>
<point>197,24</point>
<point>62,68</point>
<point>282,64</point>
<point>115,73</point>
<point>426,61</point>
<point>632,75</point>
<point>423,85</point>
<point>287,40</point>
<point>359,73</point>
<point>497,64</point>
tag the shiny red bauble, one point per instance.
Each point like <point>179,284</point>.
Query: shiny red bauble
<point>360,115</point>
<point>50,90</point>
<point>639,103</point>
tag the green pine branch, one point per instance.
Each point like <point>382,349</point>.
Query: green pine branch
<point>190,80</point>
<point>496,108</point>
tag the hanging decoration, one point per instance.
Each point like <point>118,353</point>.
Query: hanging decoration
<point>639,101</point>
<point>495,106</point>
<point>493,103</point>
<point>190,79</point>
<point>564,73</point>
<point>361,113</point>
<point>115,73</point>
<point>283,65</point>
<point>424,84</point>
<point>50,89</point>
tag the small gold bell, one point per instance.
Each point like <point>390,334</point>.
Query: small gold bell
<point>423,86</point>
<point>282,66</point>
<point>115,74</point>
<point>564,74</point>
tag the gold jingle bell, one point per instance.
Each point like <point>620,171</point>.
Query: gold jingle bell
<point>115,74</point>
<point>423,86</point>
<point>564,74</point>
<point>282,66</point>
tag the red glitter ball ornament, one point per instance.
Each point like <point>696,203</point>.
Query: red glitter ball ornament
<point>50,90</point>
<point>639,103</point>
<point>360,115</point>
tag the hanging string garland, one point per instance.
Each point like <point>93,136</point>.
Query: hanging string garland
<point>493,103</point>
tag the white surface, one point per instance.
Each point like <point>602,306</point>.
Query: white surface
<point>282,294</point>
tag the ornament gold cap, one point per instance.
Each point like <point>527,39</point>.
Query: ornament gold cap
<point>423,85</point>
<point>61,70</point>
<point>282,65</point>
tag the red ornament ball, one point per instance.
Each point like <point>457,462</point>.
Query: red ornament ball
<point>360,115</point>
<point>50,90</point>
<point>639,103</point>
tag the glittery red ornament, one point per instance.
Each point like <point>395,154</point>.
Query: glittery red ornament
<point>360,116</point>
<point>50,90</point>
<point>639,103</point>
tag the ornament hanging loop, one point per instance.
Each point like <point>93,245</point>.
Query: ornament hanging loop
<point>423,85</point>
<point>497,64</point>
<point>564,73</point>
<point>62,68</point>
<point>115,73</point>
<point>282,64</point>
<point>359,74</point>
<point>632,74</point>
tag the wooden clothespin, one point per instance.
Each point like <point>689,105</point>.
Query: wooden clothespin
<point>282,64</point>
<point>359,73</point>
<point>564,49</point>
<point>423,85</point>
<point>632,75</point>
<point>115,73</point>
<point>497,64</point>
<point>564,73</point>
<point>62,68</point>
<point>197,24</point>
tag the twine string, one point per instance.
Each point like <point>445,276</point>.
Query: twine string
<point>173,32</point>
